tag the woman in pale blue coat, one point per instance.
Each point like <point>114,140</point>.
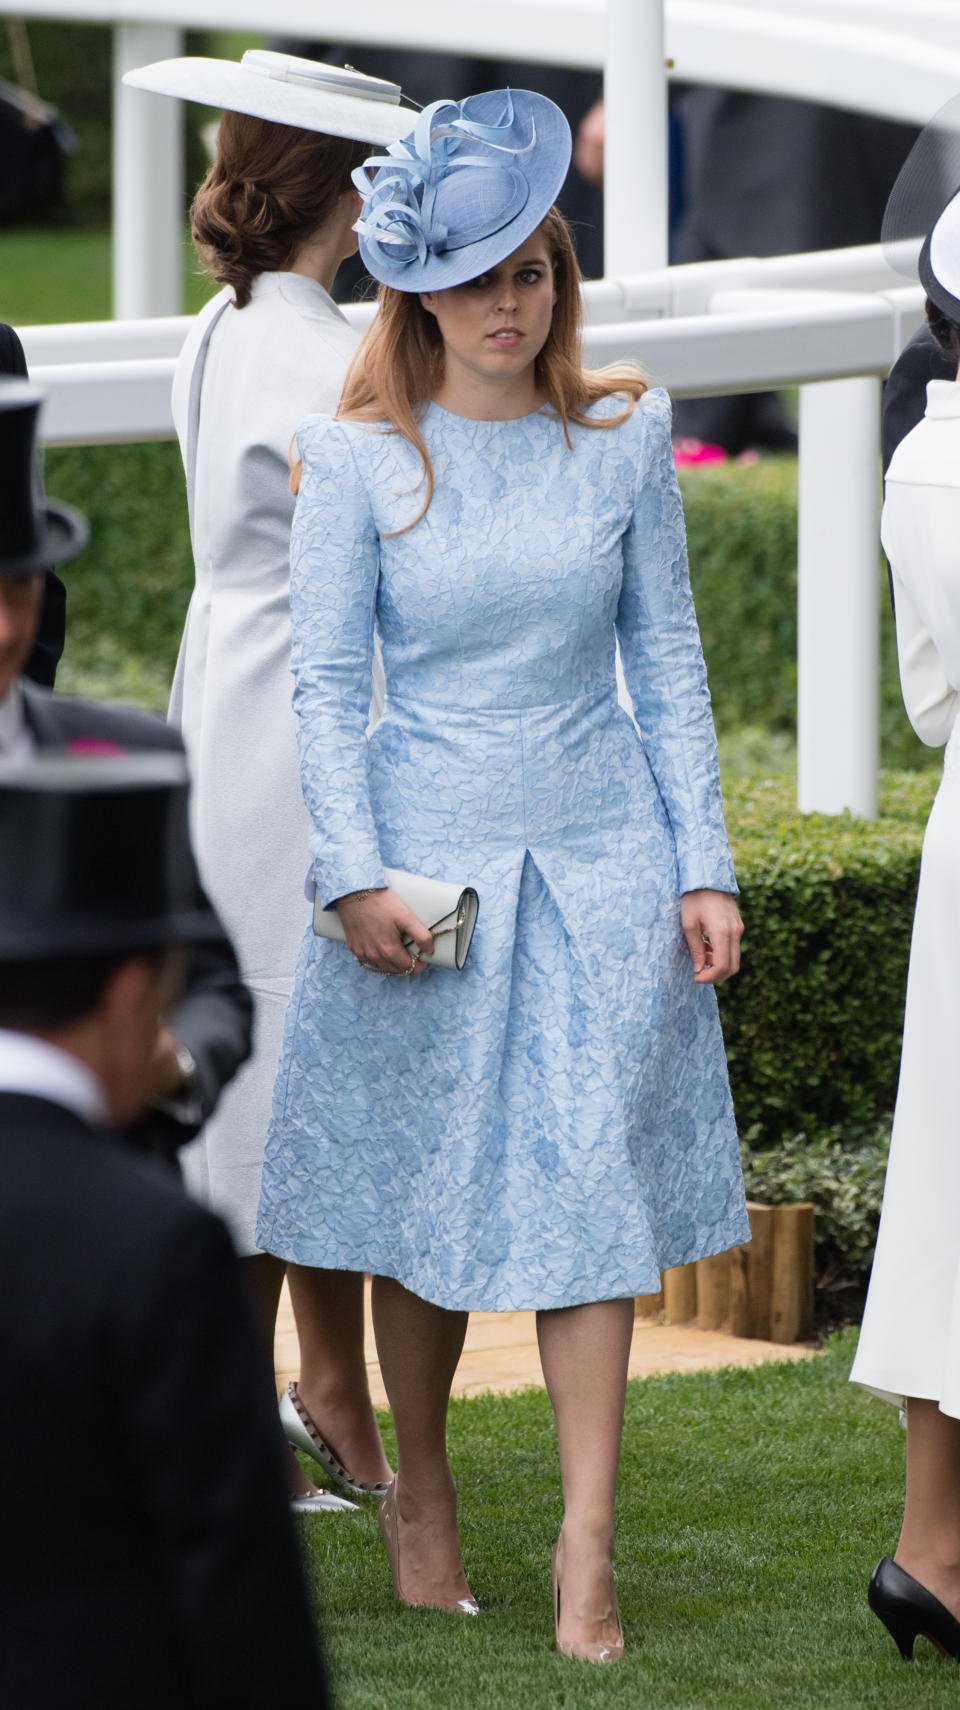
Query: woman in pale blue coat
<point>551,1127</point>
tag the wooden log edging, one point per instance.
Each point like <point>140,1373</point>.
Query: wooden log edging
<point>763,1289</point>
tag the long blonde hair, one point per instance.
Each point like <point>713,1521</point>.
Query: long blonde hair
<point>399,365</point>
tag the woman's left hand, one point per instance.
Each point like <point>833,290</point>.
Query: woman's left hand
<point>713,930</point>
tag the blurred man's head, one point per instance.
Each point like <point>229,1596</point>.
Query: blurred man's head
<point>98,899</point>
<point>106,1011</point>
<point>34,535</point>
<point>20,600</point>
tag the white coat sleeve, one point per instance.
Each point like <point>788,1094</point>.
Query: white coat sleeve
<point>921,537</point>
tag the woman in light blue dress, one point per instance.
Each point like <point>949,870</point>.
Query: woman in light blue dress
<point>551,1127</point>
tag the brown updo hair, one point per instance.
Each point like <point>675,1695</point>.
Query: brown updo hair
<point>270,188</point>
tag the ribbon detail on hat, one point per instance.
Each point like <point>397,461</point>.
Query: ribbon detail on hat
<point>435,191</point>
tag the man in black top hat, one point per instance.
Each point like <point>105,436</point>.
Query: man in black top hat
<point>209,1033</point>
<point>146,1549</point>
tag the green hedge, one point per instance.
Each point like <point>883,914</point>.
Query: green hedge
<point>742,538</point>
<point>742,534</point>
<point>813,1022</point>
<point>129,589</point>
<point>843,1172</point>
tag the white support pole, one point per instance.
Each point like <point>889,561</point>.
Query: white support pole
<point>635,193</point>
<point>147,180</point>
<point>838,668</point>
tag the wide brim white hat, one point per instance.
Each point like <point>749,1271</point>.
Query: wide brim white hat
<point>289,91</point>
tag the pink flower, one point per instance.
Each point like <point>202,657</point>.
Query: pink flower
<point>688,453</point>
<point>93,745</point>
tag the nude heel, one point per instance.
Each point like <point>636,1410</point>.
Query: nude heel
<point>389,1526</point>
<point>586,1650</point>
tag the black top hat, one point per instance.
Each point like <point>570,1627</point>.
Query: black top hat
<point>95,859</point>
<point>33,535</point>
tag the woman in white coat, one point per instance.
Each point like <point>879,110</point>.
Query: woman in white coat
<point>909,1350</point>
<point>272,221</point>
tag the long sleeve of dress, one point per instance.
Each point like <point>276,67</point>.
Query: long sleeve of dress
<point>663,662</point>
<point>334,570</point>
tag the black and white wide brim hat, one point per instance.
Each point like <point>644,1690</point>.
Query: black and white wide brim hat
<point>466,187</point>
<point>923,209</point>
<point>280,87</point>
<point>939,264</point>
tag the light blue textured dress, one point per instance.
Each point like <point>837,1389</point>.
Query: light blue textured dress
<point>552,1125</point>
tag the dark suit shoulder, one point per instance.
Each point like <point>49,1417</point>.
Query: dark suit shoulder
<point>12,359</point>
<point>93,1186</point>
<point>55,719</point>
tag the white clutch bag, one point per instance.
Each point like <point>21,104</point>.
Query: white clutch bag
<point>449,910</point>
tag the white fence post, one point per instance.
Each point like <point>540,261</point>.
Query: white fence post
<point>635,193</point>
<point>838,668</point>
<point>147,180</point>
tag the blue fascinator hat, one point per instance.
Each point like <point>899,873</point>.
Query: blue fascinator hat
<point>458,195</point>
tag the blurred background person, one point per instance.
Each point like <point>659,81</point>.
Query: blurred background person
<point>763,175</point>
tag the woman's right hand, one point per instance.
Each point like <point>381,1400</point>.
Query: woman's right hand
<point>375,926</point>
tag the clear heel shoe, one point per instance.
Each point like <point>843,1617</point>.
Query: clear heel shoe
<point>389,1526</point>
<point>586,1650</point>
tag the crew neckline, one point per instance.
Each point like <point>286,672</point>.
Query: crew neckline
<point>489,421</point>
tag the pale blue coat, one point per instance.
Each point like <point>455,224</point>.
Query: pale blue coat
<point>553,1125</point>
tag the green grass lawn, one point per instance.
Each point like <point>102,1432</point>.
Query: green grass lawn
<point>753,1507</point>
<point>52,273</point>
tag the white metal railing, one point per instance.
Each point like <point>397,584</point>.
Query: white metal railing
<point>830,323</point>
<point>748,341</point>
<point>873,56</point>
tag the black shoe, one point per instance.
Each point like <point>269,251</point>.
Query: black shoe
<point>907,1609</point>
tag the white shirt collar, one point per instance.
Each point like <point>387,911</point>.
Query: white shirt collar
<point>308,294</point>
<point>943,399</point>
<point>38,1069</point>
<point>16,743</point>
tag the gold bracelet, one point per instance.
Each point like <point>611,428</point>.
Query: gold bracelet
<point>360,896</point>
